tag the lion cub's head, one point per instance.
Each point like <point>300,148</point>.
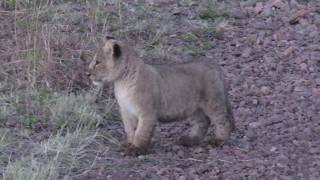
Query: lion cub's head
<point>108,63</point>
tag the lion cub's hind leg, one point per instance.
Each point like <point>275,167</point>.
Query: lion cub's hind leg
<point>223,122</point>
<point>199,127</point>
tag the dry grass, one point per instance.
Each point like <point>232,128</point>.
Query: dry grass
<point>54,135</point>
<point>59,157</point>
<point>48,114</point>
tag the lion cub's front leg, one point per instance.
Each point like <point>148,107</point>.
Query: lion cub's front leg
<point>143,135</point>
<point>130,124</point>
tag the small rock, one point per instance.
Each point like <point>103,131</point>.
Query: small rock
<point>173,35</point>
<point>281,165</point>
<point>273,149</point>
<point>162,171</point>
<point>11,123</point>
<point>246,53</point>
<point>180,153</point>
<point>314,33</point>
<point>294,19</point>
<point>308,131</point>
<point>213,151</point>
<point>242,103</point>
<point>255,102</point>
<point>238,14</point>
<point>302,91</point>
<point>278,4</point>
<point>314,150</point>
<point>169,154</point>
<point>255,124</point>
<point>216,170</point>
<point>265,89</point>
<point>299,89</point>
<point>202,169</point>
<point>259,7</point>
<point>316,92</point>
<point>304,66</point>
<point>182,178</point>
<point>295,4</point>
<point>176,11</point>
<point>289,51</point>
<point>175,148</point>
<point>193,170</point>
<point>251,134</point>
<point>179,170</point>
<point>247,3</point>
<point>199,150</point>
<point>267,11</point>
<point>295,142</point>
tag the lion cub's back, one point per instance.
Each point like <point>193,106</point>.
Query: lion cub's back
<point>181,75</point>
<point>183,86</point>
<point>190,72</point>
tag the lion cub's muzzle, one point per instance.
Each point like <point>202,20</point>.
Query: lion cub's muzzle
<point>93,77</point>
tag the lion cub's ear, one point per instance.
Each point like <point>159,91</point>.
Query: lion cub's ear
<point>112,47</point>
<point>116,50</point>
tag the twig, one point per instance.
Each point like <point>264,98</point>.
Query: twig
<point>192,159</point>
<point>242,149</point>
<point>8,12</point>
<point>13,62</point>
<point>222,160</point>
<point>294,19</point>
<point>245,160</point>
<point>274,123</point>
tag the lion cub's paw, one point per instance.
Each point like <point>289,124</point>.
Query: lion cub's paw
<point>216,142</point>
<point>187,141</point>
<point>124,146</point>
<point>132,150</point>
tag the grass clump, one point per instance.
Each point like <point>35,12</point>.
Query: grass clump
<point>42,108</point>
<point>59,157</point>
<point>74,111</point>
<point>69,123</point>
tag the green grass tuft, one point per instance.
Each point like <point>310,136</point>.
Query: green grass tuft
<point>212,13</point>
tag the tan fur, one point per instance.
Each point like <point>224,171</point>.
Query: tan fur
<point>147,93</point>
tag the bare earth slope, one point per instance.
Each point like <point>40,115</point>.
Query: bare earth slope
<point>273,68</point>
<point>269,51</point>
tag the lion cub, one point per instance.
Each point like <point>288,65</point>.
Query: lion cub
<point>147,93</point>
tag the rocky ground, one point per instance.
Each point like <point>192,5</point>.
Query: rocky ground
<point>270,54</point>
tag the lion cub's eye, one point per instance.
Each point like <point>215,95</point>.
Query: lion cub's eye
<point>98,62</point>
